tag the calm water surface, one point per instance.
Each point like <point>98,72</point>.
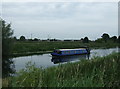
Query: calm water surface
<point>46,60</point>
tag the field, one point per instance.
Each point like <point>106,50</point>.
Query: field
<point>29,48</point>
<point>97,72</point>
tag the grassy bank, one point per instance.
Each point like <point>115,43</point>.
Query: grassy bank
<point>30,48</point>
<point>98,72</point>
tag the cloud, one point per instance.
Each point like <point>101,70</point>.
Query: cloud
<point>39,10</point>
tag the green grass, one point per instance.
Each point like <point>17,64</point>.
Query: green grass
<point>97,72</point>
<point>28,48</point>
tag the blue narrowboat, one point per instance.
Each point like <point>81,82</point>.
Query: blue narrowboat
<point>67,52</point>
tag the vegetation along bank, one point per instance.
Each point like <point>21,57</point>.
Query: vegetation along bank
<point>97,72</point>
<point>21,48</point>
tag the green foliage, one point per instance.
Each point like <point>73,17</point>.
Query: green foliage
<point>35,39</point>
<point>31,74</point>
<point>97,72</point>
<point>31,47</point>
<point>22,38</point>
<point>99,40</point>
<point>105,37</point>
<point>7,33</point>
<point>7,43</point>
<point>114,39</point>
<point>119,39</point>
<point>35,47</point>
<point>85,40</point>
<point>14,38</point>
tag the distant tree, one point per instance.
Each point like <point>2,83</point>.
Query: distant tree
<point>54,39</point>
<point>22,38</point>
<point>30,39</point>
<point>99,40</point>
<point>14,38</point>
<point>7,44</point>
<point>67,40</point>
<point>51,40</point>
<point>105,37</point>
<point>81,39</point>
<point>48,39</point>
<point>114,38</point>
<point>86,40</point>
<point>118,39</point>
<point>76,40</point>
<point>35,39</point>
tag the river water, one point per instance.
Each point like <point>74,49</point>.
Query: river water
<point>46,60</point>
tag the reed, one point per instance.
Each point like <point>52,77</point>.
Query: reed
<point>97,72</point>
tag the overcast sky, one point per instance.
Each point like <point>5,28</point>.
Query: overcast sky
<point>62,20</point>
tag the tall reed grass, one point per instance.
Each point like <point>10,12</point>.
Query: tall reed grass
<point>97,72</point>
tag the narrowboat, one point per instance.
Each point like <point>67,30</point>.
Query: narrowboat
<point>67,52</point>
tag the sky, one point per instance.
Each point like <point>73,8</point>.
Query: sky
<point>61,20</point>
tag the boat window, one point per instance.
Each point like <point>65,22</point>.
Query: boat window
<point>75,52</point>
<point>65,52</point>
<point>68,52</point>
<point>59,52</point>
<point>54,51</point>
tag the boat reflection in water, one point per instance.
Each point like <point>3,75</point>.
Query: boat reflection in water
<point>62,59</point>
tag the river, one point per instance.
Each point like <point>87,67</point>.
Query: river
<point>46,60</point>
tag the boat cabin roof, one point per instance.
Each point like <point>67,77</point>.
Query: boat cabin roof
<point>70,49</point>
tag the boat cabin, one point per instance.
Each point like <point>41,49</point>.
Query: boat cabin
<point>65,52</point>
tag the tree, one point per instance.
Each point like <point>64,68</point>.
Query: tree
<point>81,39</point>
<point>105,37</point>
<point>86,40</point>
<point>7,41</point>
<point>35,39</point>
<point>14,38</point>
<point>118,39</point>
<point>114,38</point>
<point>22,38</point>
<point>99,40</point>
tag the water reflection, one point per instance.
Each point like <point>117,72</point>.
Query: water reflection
<point>46,60</point>
<point>8,67</point>
<point>56,60</point>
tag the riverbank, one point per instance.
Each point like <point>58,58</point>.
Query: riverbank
<point>34,48</point>
<point>97,72</point>
<point>29,53</point>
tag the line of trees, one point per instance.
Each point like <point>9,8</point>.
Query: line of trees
<point>23,38</point>
<point>104,38</point>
